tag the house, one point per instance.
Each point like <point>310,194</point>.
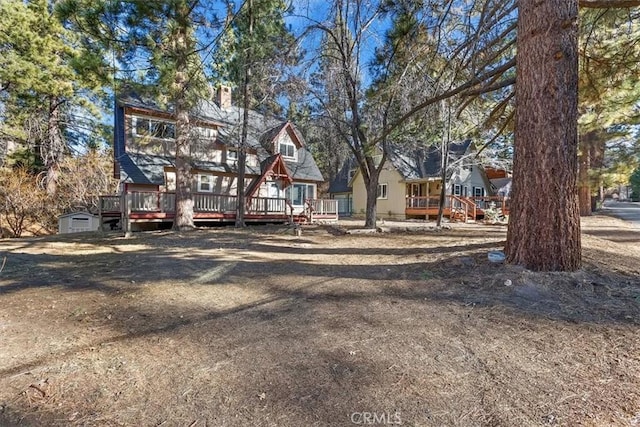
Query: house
<point>281,175</point>
<point>410,183</point>
<point>500,181</point>
<point>340,188</point>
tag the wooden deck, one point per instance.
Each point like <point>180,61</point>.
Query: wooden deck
<point>455,207</point>
<point>136,207</point>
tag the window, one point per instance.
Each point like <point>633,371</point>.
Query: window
<point>382,191</point>
<point>287,149</point>
<point>456,190</point>
<point>154,128</point>
<point>170,181</point>
<point>206,133</point>
<point>478,192</point>
<point>205,183</point>
<point>299,193</point>
<point>232,155</point>
<point>141,126</point>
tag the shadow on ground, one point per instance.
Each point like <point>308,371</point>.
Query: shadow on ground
<point>433,334</point>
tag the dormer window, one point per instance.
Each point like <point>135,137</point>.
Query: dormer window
<point>287,149</point>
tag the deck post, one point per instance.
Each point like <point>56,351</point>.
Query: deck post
<point>126,214</point>
<point>100,221</point>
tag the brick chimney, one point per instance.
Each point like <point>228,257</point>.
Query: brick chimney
<point>223,97</point>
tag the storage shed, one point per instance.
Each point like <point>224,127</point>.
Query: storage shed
<point>77,222</point>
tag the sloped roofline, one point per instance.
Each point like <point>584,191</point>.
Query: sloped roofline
<point>156,112</point>
<point>271,163</point>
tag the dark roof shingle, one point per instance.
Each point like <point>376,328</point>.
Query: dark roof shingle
<point>261,130</point>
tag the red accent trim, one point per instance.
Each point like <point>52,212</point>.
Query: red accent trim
<point>291,130</point>
<point>282,173</point>
<point>204,215</point>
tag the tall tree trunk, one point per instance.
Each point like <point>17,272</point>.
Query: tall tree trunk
<point>184,200</point>
<point>598,147</point>
<point>444,165</point>
<point>52,149</point>
<point>242,166</point>
<point>242,152</point>
<point>584,180</point>
<point>443,187</point>
<point>372,200</point>
<point>544,227</point>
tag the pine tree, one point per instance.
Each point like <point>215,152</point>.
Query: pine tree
<point>609,90</point>
<point>157,42</point>
<point>41,83</point>
<point>253,55</point>
<point>544,225</point>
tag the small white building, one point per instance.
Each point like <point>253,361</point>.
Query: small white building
<point>77,222</point>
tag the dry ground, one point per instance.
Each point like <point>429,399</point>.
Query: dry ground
<point>260,328</point>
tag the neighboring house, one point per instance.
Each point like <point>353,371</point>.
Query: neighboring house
<point>340,188</point>
<point>410,183</point>
<point>281,175</point>
<point>500,181</point>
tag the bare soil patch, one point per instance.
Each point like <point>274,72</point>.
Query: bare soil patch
<point>261,328</point>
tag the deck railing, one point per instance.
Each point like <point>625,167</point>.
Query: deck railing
<point>463,205</point>
<point>203,202</point>
<point>266,205</point>
<point>425,202</point>
<point>325,208</point>
<point>498,201</point>
<point>156,204</point>
<point>110,204</point>
<point>471,205</point>
<point>158,201</point>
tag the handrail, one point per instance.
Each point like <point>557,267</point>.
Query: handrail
<point>422,202</point>
<point>468,205</point>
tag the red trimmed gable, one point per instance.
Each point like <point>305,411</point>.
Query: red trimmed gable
<point>275,168</point>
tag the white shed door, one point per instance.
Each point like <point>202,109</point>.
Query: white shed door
<point>79,224</point>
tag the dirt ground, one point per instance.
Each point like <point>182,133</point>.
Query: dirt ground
<point>257,327</point>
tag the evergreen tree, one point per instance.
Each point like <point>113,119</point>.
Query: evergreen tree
<point>262,42</point>
<point>156,41</point>
<point>254,54</point>
<point>48,102</point>
<point>609,90</point>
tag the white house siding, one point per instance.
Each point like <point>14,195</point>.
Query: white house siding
<point>468,178</point>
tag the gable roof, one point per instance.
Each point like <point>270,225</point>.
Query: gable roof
<point>426,162</point>
<point>261,133</point>
<point>272,166</point>
<point>341,183</point>
<point>501,185</point>
<point>420,163</point>
<point>149,169</point>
